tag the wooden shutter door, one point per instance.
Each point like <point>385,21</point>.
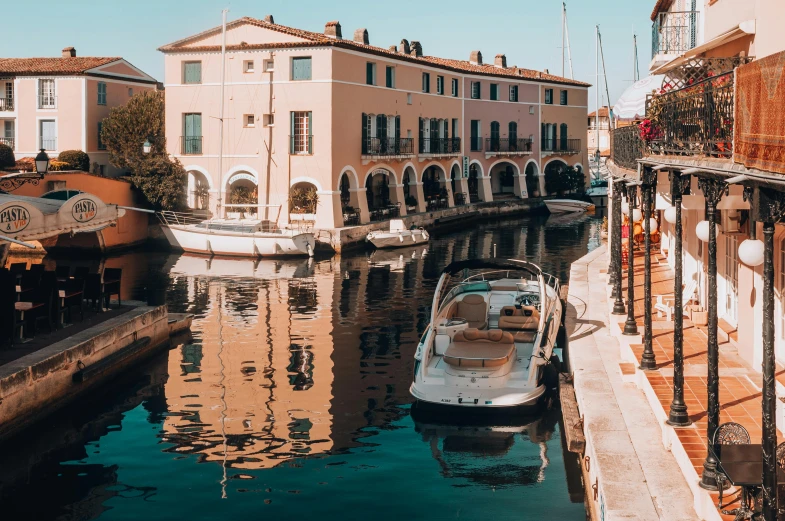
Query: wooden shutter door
<point>365,134</point>
<point>563,140</point>
<point>310,132</point>
<point>422,136</point>
<point>397,134</point>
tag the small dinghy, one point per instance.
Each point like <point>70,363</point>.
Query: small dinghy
<point>568,206</point>
<point>398,236</point>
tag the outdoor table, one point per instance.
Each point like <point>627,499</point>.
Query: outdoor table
<point>743,466</point>
<point>61,293</point>
<point>21,307</point>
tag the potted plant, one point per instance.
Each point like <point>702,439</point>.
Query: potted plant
<point>411,204</point>
<point>302,203</point>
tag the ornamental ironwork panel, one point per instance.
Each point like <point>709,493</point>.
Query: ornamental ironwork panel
<point>627,146</point>
<point>696,70</point>
<point>697,120</point>
<point>511,145</point>
<point>674,32</point>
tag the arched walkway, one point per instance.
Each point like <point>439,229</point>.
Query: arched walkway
<point>458,186</point>
<point>241,188</point>
<point>532,179</point>
<point>474,182</point>
<point>436,189</point>
<point>303,198</point>
<point>198,191</point>
<point>556,178</point>
<point>382,195</point>
<point>502,178</point>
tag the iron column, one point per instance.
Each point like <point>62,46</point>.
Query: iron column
<point>618,305</point>
<point>630,326</point>
<point>648,360</point>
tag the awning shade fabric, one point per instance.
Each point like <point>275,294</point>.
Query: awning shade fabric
<point>32,218</point>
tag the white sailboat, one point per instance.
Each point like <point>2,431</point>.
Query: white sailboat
<point>246,236</point>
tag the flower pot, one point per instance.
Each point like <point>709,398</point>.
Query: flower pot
<point>411,209</point>
<point>302,216</point>
<point>698,315</point>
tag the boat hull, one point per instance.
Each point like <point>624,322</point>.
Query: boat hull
<point>240,245</point>
<point>490,400</point>
<point>568,206</point>
<point>383,240</point>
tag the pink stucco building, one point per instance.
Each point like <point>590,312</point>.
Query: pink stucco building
<point>366,126</point>
<point>58,103</point>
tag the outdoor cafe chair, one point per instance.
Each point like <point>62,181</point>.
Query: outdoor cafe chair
<point>71,295</point>
<point>93,290</point>
<point>39,307</point>
<point>111,281</point>
<point>729,433</point>
<point>63,272</point>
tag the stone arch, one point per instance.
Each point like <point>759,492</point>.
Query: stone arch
<point>502,175</point>
<point>551,168</point>
<point>345,171</point>
<point>552,160</point>
<point>476,175</point>
<point>434,179</point>
<point>203,171</point>
<point>409,181</point>
<point>306,179</point>
<point>380,187</point>
<point>531,173</point>
<point>199,185</point>
<point>303,195</point>
<point>241,187</point>
<point>390,171</point>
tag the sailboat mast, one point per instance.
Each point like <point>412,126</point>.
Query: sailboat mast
<point>566,42</point>
<point>563,24</point>
<point>636,73</point>
<point>221,112</point>
<point>597,96</point>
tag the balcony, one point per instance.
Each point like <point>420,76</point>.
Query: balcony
<point>375,147</point>
<point>191,145</point>
<point>9,141</point>
<point>47,101</point>
<point>627,146</point>
<point>694,121</point>
<point>674,32</point>
<point>507,146</point>
<point>301,145</point>
<point>440,147</point>
<point>565,147</point>
<point>6,104</point>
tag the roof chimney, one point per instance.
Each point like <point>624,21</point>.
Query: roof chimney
<point>333,30</point>
<point>69,52</point>
<point>546,71</point>
<point>393,48</point>
<point>476,57</point>
<point>361,36</point>
<point>501,61</point>
<point>416,49</point>
<point>269,19</point>
<point>404,48</point>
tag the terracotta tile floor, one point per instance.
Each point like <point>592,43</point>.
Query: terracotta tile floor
<point>740,385</point>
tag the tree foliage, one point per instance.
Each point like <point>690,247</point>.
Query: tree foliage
<point>161,180</point>
<point>564,179</point>
<point>75,159</point>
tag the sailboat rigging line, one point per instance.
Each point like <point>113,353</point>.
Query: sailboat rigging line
<point>605,75</point>
<point>567,38</point>
<point>221,111</point>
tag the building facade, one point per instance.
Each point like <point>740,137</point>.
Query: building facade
<point>365,127</point>
<point>599,132</point>
<point>58,104</point>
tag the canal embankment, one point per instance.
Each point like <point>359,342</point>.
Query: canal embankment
<point>38,379</point>
<point>628,472</point>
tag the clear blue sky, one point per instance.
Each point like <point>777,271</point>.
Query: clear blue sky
<point>527,31</point>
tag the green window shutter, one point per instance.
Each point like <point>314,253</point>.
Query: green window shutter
<point>369,73</point>
<point>365,134</point>
<point>563,136</point>
<point>388,76</point>
<point>301,68</point>
<point>543,137</point>
<point>192,72</point>
<point>291,132</point>
<point>421,136</point>
<point>397,134</point>
<point>310,132</point>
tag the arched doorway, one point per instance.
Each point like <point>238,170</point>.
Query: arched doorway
<point>459,196</point>
<point>198,195</point>
<point>556,177</point>
<point>502,178</point>
<point>474,183</point>
<point>532,180</point>
<point>409,189</point>
<point>241,189</point>
<point>350,202</point>
<point>303,200</point>
<point>434,187</point>
<point>378,194</point>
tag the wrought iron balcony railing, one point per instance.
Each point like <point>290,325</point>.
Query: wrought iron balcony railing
<point>627,146</point>
<point>301,145</point>
<point>697,120</point>
<point>445,146</point>
<point>190,145</point>
<point>391,146</point>
<point>674,32</point>
<point>6,104</point>
<point>9,141</point>
<point>46,101</point>
<point>508,145</point>
<point>48,143</point>
<point>562,146</point>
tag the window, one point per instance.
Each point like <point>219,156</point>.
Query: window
<point>563,137</point>
<point>48,134</point>
<point>495,135</point>
<point>46,94</point>
<point>301,140</point>
<point>476,92</point>
<point>101,93</point>
<point>301,68</point>
<point>549,96</point>
<point>439,84</point>
<point>390,77</point>
<point>426,82</point>
<point>455,128</point>
<point>455,87</point>
<point>370,73</point>
<point>563,98</point>
<point>268,120</point>
<point>192,72</point>
<point>531,109</point>
<point>101,145</point>
<point>476,139</point>
<point>130,92</point>
<point>192,134</point>
<point>408,99</point>
<point>9,132</point>
<point>512,131</point>
<point>7,96</point>
<point>495,91</point>
<point>248,66</point>
<point>268,65</point>
<point>513,93</point>
<point>249,121</point>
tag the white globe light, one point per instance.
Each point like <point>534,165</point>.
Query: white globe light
<point>653,225</point>
<point>751,252</point>
<point>636,215</point>
<point>625,208</point>
<point>702,231</point>
<point>670,214</point>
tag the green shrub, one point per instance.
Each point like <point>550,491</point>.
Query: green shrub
<point>76,160</point>
<point>554,181</point>
<point>411,201</point>
<point>7,158</point>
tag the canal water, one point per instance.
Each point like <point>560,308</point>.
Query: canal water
<point>292,398</point>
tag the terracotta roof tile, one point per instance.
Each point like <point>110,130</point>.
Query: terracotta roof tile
<point>28,66</point>
<point>660,6</point>
<point>318,39</point>
<point>603,112</point>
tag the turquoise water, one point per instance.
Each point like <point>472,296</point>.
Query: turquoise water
<point>292,399</point>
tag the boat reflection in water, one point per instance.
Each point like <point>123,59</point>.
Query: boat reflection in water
<point>397,259</point>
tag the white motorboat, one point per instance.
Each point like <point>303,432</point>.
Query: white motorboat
<point>568,206</point>
<point>234,237</point>
<point>398,236</point>
<point>491,338</point>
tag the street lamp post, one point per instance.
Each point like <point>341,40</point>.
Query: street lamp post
<point>630,326</point>
<point>648,360</point>
<point>713,190</point>
<point>11,182</point>
<point>677,416</point>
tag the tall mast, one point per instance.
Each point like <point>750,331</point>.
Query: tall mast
<point>563,24</point>
<point>221,112</point>
<point>597,96</point>
<point>566,42</point>
<point>605,77</point>
<point>636,73</point>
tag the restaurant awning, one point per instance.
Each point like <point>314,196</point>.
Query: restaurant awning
<point>32,218</point>
<point>743,29</point>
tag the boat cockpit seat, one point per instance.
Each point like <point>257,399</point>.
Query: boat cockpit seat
<point>475,349</point>
<point>474,309</point>
<point>527,318</point>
